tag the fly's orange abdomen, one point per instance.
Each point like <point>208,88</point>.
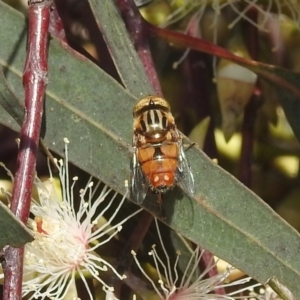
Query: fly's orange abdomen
<point>145,154</point>
<point>170,150</point>
<point>160,173</point>
<point>159,164</point>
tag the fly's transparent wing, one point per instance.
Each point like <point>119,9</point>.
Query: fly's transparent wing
<point>185,177</point>
<point>139,183</point>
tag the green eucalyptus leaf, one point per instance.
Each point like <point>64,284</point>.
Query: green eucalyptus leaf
<point>13,232</point>
<point>94,111</point>
<point>9,101</point>
<point>126,60</point>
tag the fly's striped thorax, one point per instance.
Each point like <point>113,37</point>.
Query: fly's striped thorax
<point>153,120</point>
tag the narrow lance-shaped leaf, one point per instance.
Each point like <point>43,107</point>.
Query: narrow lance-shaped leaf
<point>125,57</point>
<point>224,216</point>
<point>13,232</point>
<point>9,101</point>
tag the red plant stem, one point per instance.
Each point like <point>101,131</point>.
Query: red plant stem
<point>248,127</point>
<point>197,86</point>
<point>248,135</point>
<point>34,82</point>
<point>207,262</point>
<point>183,40</point>
<point>134,241</point>
<point>136,27</point>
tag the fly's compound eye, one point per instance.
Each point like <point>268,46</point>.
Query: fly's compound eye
<point>150,102</point>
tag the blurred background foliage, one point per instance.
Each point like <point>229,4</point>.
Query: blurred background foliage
<point>233,115</point>
<point>202,87</point>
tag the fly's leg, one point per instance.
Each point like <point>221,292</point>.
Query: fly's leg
<point>188,147</point>
<point>159,199</point>
<point>160,203</point>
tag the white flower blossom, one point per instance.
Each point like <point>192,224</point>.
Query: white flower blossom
<point>192,286</point>
<point>268,12</point>
<point>265,8</point>
<point>66,239</point>
<point>267,293</point>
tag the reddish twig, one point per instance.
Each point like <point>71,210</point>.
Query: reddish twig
<point>139,37</point>
<point>246,158</point>
<point>207,262</point>
<point>34,82</point>
<point>135,240</point>
<point>248,140</point>
<point>195,97</point>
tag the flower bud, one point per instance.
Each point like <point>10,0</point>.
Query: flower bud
<point>235,85</point>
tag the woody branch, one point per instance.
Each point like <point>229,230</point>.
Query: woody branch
<point>34,82</point>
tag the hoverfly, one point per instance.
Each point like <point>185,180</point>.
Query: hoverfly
<point>159,161</point>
